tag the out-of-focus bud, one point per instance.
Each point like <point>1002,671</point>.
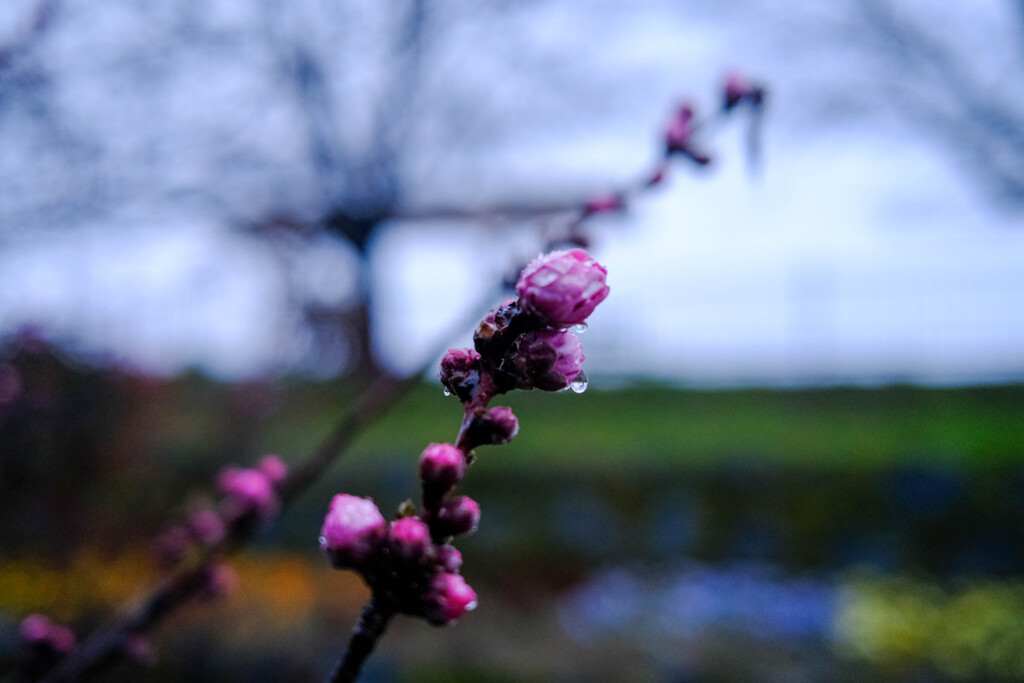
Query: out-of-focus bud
<point>248,491</point>
<point>679,137</point>
<point>460,372</point>
<point>657,177</point>
<point>458,515</point>
<point>39,630</point>
<point>495,427</point>
<point>679,133</point>
<point>352,532</point>
<point>548,360</point>
<point>140,649</point>
<point>442,465</point>
<point>273,468</point>
<point>172,546</point>
<point>206,526</point>
<point>449,558</point>
<point>604,204</point>
<point>562,287</point>
<point>219,581</point>
<point>410,539</point>
<point>449,597</point>
<point>738,89</point>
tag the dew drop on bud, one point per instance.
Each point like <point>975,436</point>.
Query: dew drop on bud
<point>447,392</point>
<point>579,385</point>
<point>580,328</point>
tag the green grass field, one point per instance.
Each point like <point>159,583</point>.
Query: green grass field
<point>657,426</point>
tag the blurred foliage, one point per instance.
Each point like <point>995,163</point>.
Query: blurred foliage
<point>971,631</point>
<point>907,481</point>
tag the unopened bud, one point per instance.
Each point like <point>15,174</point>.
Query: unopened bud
<point>563,287</point>
<point>495,427</point>
<point>442,466</point>
<point>352,531</point>
<point>460,372</point>
<point>409,539</point>
<point>458,515</point>
<point>448,599</point>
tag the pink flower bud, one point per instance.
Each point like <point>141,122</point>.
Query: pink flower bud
<point>460,372</point>
<point>604,204</point>
<point>172,546</point>
<point>140,649</point>
<point>442,465</point>
<point>548,360</point>
<point>410,539</point>
<point>495,427</point>
<point>248,491</point>
<point>352,531</point>
<point>458,515</point>
<point>206,526</point>
<point>273,468</point>
<point>739,89</point>
<point>449,558</point>
<point>219,581</point>
<point>448,599</point>
<point>679,133</point>
<point>37,629</point>
<point>562,287</point>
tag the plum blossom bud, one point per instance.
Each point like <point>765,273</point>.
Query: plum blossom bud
<point>458,515</point>
<point>495,427</point>
<point>739,89</point>
<point>448,599</point>
<point>679,133</point>
<point>352,531</point>
<point>562,287</point>
<point>219,581</point>
<point>548,360</point>
<point>38,629</point>
<point>496,322</point>
<point>449,558</point>
<point>410,539</point>
<point>140,650</point>
<point>173,545</point>
<point>442,465</point>
<point>604,204</point>
<point>206,526</point>
<point>460,372</point>
<point>248,491</point>
<point>273,468</point>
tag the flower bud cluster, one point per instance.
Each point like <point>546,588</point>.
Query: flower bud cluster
<point>525,342</point>
<point>410,564</point>
<point>37,630</point>
<point>249,495</point>
<point>406,566</point>
<point>252,492</point>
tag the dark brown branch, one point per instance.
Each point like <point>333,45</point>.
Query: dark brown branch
<point>372,623</point>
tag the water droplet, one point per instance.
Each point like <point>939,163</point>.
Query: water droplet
<point>323,541</point>
<point>579,329</point>
<point>579,385</point>
<point>447,392</point>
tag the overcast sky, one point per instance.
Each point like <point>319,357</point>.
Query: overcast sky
<point>863,251</point>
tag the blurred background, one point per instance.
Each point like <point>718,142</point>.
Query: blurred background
<point>799,456</point>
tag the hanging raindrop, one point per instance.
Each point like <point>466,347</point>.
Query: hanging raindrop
<point>580,328</point>
<point>579,385</point>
